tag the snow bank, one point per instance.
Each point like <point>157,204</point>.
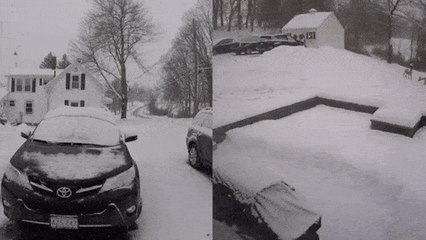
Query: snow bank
<point>249,85</point>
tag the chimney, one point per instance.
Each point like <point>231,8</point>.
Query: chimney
<point>313,11</point>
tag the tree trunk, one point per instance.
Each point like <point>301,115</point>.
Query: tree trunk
<point>123,91</point>
<point>253,15</point>
<point>390,48</point>
<point>221,12</point>
<point>231,15</point>
<point>240,18</point>
<point>215,13</point>
<point>249,12</point>
<point>195,67</point>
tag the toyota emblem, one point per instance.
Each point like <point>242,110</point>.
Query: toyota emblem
<point>64,192</point>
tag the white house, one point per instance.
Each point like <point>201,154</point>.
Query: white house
<point>317,29</point>
<point>33,92</point>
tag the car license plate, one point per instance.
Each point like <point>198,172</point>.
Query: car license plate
<point>63,222</point>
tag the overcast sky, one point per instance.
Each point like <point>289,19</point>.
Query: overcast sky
<point>33,28</point>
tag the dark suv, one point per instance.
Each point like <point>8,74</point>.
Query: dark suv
<point>73,172</point>
<point>199,139</point>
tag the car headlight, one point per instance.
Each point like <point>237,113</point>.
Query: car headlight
<point>122,180</point>
<point>14,175</point>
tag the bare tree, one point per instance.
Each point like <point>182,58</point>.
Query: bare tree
<point>187,68</point>
<point>109,37</point>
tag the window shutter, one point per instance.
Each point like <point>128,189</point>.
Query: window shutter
<point>13,85</point>
<point>83,81</point>
<point>34,85</point>
<point>82,103</point>
<point>66,103</point>
<point>68,80</point>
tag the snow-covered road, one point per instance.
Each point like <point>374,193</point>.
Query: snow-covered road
<point>177,199</point>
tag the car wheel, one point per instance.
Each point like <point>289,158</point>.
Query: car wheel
<point>248,51</point>
<point>193,158</point>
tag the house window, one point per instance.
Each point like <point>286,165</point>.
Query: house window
<point>74,104</point>
<point>66,102</point>
<point>11,103</point>
<point>75,82</point>
<point>19,85</point>
<point>82,103</point>
<point>310,35</point>
<point>27,85</point>
<point>28,107</point>
<point>40,82</point>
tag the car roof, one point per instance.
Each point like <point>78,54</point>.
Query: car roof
<point>91,112</point>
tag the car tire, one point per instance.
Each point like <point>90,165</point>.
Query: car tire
<point>193,156</point>
<point>248,51</point>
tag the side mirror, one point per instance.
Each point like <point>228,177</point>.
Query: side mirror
<point>130,138</point>
<point>26,134</point>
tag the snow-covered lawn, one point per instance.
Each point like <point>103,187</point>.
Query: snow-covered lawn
<point>177,200</point>
<point>248,85</point>
<point>366,184</point>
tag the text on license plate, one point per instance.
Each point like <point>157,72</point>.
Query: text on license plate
<point>63,222</point>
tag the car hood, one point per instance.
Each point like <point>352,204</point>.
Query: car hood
<point>58,162</point>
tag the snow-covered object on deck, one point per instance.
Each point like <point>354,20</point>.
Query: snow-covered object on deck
<point>271,200</point>
<point>317,29</point>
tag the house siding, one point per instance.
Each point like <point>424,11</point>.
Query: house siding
<point>92,94</point>
<point>331,33</point>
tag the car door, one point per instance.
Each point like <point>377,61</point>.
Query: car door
<point>205,138</point>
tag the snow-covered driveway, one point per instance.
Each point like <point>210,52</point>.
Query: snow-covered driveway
<point>177,199</point>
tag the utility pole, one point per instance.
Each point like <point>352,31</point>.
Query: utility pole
<point>194,33</point>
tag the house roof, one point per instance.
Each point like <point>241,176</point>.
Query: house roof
<point>313,19</point>
<point>32,71</point>
<point>78,65</point>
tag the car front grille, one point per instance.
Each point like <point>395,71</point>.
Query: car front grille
<point>78,189</point>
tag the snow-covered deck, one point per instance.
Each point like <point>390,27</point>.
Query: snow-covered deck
<point>366,184</point>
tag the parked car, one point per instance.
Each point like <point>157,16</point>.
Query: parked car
<point>281,39</point>
<point>253,44</point>
<point>74,171</point>
<point>199,139</point>
<point>226,45</point>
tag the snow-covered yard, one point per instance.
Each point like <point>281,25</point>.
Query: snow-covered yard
<point>177,199</point>
<point>366,184</point>
<point>248,85</point>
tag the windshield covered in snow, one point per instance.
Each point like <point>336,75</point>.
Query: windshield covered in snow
<point>77,130</point>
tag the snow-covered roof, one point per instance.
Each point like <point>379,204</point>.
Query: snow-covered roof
<point>99,113</point>
<point>32,71</point>
<point>313,19</point>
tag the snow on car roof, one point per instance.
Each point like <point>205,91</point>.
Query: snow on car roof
<point>100,113</point>
<point>307,20</point>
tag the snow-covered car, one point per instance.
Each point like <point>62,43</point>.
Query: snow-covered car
<point>74,171</point>
<point>251,45</point>
<point>199,139</point>
<point>281,39</point>
<point>226,45</point>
